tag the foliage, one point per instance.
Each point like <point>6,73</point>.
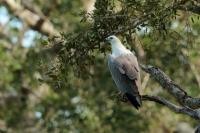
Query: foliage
<point>65,86</point>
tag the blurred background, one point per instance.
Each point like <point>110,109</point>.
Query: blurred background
<point>39,96</point>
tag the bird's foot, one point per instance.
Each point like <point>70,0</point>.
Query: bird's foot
<point>122,97</point>
<point>119,96</point>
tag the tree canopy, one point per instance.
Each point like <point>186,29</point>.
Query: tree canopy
<point>54,75</point>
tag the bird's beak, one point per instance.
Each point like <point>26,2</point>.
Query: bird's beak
<point>106,39</point>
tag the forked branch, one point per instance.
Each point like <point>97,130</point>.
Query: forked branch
<point>175,90</point>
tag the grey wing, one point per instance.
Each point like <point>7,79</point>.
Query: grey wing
<point>133,71</point>
<point>129,64</point>
<point>125,73</point>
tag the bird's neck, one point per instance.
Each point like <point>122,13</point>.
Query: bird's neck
<point>119,49</point>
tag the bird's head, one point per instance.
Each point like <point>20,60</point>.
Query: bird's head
<point>113,39</point>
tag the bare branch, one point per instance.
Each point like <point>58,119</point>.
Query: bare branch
<point>194,113</point>
<point>32,19</point>
<point>197,129</point>
<point>183,110</point>
<point>174,89</point>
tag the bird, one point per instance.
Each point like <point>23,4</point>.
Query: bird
<point>124,68</point>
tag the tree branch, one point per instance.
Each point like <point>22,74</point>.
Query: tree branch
<point>197,129</point>
<point>35,21</point>
<point>183,110</point>
<point>174,89</point>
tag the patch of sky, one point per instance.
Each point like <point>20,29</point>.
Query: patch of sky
<point>38,114</point>
<point>29,35</point>
<point>29,38</point>
<point>142,30</point>
<point>16,23</point>
<point>4,16</point>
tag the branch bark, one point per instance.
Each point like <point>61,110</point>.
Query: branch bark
<point>35,21</point>
<point>188,105</point>
<point>197,129</point>
<point>178,109</point>
<point>175,90</point>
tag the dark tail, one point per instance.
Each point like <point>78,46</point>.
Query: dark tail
<point>135,100</point>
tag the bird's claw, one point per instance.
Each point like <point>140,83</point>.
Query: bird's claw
<point>121,97</point>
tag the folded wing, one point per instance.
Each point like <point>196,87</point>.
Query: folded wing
<point>125,72</point>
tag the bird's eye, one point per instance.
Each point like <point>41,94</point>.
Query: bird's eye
<point>111,37</point>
